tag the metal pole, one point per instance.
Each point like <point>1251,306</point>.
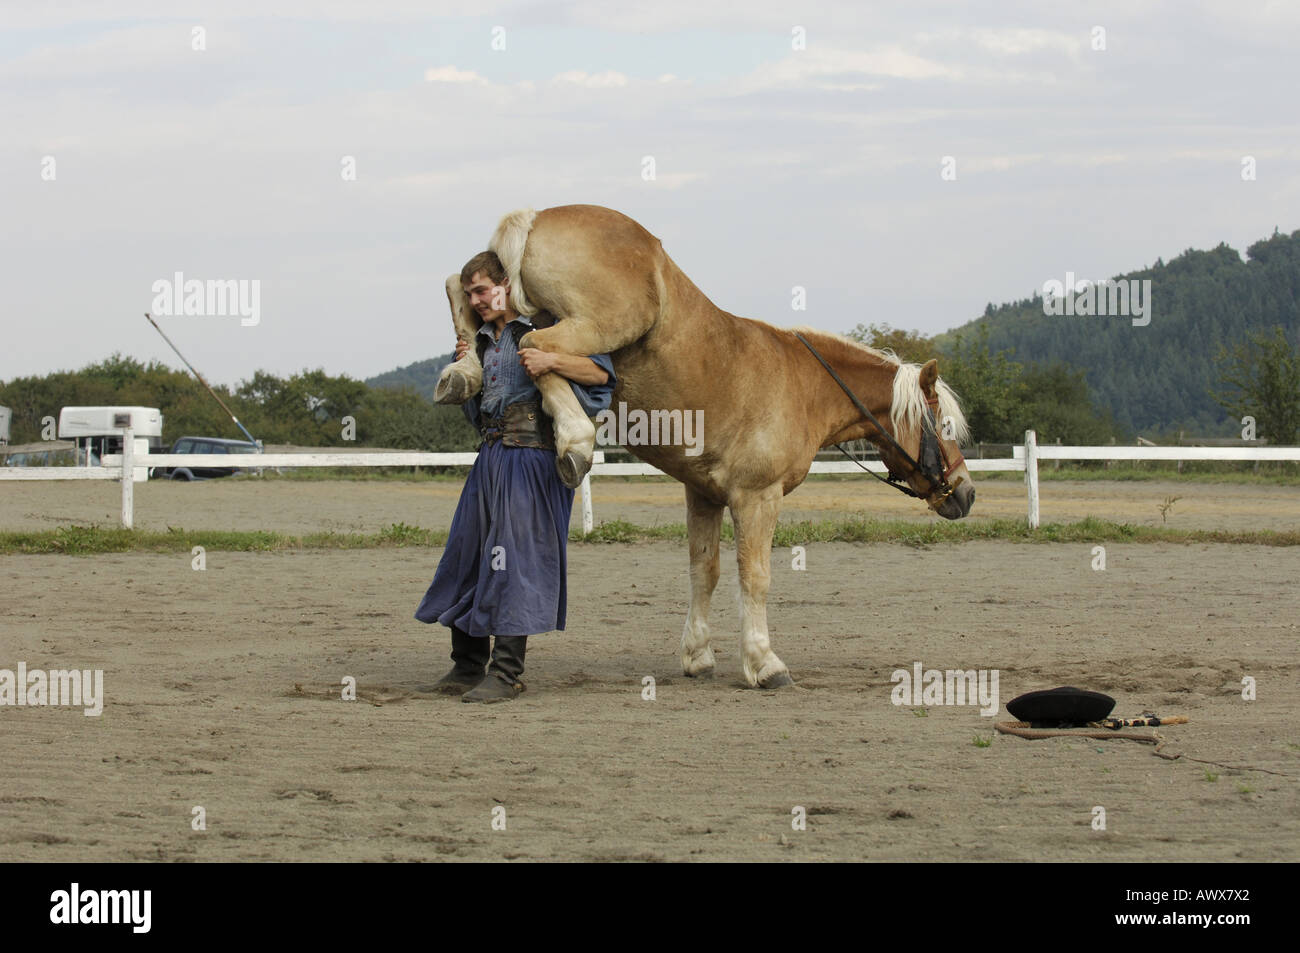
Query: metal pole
<point>200,377</point>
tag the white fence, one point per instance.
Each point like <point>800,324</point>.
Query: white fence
<point>1024,458</point>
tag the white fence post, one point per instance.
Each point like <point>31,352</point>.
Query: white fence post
<point>1031,475</point>
<point>588,520</point>
<point>586,505</point>
<point>128,478</point>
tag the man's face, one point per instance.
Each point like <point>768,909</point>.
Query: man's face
<point>488,299</point>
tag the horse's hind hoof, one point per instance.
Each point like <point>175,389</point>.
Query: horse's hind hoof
<point>779,680</point>
<point>572,467</point>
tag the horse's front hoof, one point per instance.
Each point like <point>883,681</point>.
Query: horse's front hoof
<point>572,467</point>
<point>779,680</point>
<point>452,388</point>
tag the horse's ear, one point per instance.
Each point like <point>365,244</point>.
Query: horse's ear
<point>929,374</point>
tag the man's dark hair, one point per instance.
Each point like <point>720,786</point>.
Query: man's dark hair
<point>485,263</point>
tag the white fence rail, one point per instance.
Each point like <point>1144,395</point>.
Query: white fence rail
<point>1024,458</point>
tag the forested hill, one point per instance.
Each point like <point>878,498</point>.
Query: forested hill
<point>1156,378</point>
<point>422,376</point>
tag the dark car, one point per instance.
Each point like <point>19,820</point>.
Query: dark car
<point>206,445</point>
<point>47,454</point>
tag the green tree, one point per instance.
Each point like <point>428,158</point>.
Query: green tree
<point>400,418</point>
<point>912,347</point>
<point>1262,378</point>
<point>989,386</point>
<point>1055,403</point>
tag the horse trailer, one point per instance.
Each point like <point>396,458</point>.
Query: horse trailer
<point>100,429</point>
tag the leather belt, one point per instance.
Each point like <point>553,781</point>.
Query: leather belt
<point>521,425</point>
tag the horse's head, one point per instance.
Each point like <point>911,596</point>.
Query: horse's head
<point>928,425</point>
<point>920,446</point>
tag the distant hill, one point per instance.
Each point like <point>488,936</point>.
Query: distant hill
<point>1155,378</point>
<point>422,376</point>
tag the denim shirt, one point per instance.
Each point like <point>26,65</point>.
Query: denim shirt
<point>506,382</point>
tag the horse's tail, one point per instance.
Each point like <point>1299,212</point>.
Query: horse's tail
<point>508,242</point>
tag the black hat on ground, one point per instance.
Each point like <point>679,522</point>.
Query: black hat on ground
<point>1061,707</point>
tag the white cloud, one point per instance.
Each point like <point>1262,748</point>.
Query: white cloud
<point>577,77</point>
<point>814,67</point>
<point>1017,41</point>
<point>676,180</point>
<point>996,163</point>
<point>450,74</point>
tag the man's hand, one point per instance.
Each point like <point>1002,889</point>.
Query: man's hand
<point>462,348</point>
<point>580,370</point>
<point>537,362</point>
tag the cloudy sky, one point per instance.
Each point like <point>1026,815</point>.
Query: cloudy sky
<point>794,144</point>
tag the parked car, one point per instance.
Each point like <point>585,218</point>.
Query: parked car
<point>205,445</point>
<point>51,453</point>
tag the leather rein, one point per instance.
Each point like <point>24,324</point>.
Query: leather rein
<point>936,468</point>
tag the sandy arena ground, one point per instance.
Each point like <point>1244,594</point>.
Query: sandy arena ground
<point>294,506</point>
<point>223,692</point>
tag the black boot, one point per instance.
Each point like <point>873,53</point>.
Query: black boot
<point>502,681</point>
<point>470,653</point>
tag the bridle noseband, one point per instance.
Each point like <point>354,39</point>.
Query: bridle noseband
<point>933,465</point>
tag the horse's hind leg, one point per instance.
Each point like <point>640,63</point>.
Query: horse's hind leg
<point>754,516</point>
<point>460,380</point>
<point>704,529</point>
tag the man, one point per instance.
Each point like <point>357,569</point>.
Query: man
<point>503,571</point>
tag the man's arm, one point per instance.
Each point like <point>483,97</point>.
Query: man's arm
<point>580,370</point>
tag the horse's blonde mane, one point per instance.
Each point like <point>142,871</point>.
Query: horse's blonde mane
<point>907,410</point>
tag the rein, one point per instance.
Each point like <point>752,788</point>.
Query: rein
<point>938,480</point>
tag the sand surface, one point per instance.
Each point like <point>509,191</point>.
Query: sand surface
<point>295,506</point>
<point>223,692</point>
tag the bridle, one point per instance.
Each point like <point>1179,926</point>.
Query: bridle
<point>934,464</point>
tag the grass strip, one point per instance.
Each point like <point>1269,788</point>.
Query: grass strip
<point>91,540</point>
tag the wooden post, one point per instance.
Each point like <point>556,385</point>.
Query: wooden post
<point>128,478</point>
<point>1031,475</point>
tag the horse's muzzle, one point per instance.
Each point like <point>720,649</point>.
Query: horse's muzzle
<point>958,503</point>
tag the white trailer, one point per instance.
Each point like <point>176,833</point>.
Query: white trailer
<point>6,415</point>
<point>100,428</point>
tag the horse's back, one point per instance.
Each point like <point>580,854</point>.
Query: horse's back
<point>592,260</point>
<point>591,237</point>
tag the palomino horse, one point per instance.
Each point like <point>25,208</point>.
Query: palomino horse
<point>769,404</point>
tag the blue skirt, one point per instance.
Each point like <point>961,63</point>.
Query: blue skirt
<point>503,571</point>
